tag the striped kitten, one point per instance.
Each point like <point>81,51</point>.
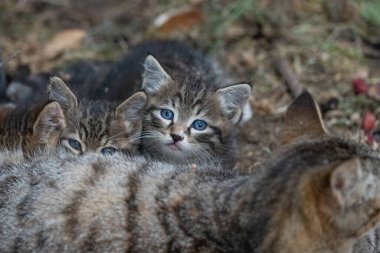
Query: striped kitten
<point>31,130</point>
<point>98,126</point>
<point>192,109</point>
<point>188,119</point>
<point>317,196</point>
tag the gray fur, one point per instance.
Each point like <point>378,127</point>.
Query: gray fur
<point>193,92</point>
<point>154,76</point>
<point>98,203</point>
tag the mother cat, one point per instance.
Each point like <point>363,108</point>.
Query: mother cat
<point>318,195</point>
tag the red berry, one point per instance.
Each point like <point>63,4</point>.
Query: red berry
<point>359,86</point>
<point>369,121</point>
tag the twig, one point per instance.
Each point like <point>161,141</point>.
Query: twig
<point>285,70</point>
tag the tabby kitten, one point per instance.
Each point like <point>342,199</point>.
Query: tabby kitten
<point>317,196</point>
<point>192,112</point>
<point>31,130</point>
<point>98,126</point>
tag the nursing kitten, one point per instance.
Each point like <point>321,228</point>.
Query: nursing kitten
<point>192,109</point>
<point>317,196</point>
<point>98,126</point>
<point>31,130</point>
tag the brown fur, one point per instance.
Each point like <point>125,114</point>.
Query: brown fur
<point>191,95</point>
<point>98,125</point>
<point>317,196</point>
<point>32,129</point>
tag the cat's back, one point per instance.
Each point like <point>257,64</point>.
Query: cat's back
<point>92,203</point>
<point>62,205</point>
<point>177,58</point>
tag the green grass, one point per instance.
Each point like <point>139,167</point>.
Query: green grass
<point>371,11</point>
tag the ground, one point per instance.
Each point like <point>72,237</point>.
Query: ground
<point>329,47</point>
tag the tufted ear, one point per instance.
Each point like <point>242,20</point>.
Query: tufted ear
<point>233,100</point>
<point>154,76</point>
<point>303,119</point>
<point>58,91</point>
<point>49,124</point>
<point>132,108</point>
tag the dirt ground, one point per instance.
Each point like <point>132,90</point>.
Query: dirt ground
<point>330,47</point>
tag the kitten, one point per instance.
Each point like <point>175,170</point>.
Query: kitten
<point>192,109</point>
<point>31,130</point>
<point>98,126</point>
<point>316,196</point>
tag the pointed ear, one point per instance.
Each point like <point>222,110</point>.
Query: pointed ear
<point>58,91</point>
<point>303,118</point>
<point>50,123</point>
<point>345,183</point>
<point>132,108</point>
<point>233,99</point>
<point>154,76</point>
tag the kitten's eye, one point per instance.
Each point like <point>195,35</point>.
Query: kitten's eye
<point>199,125</point>
<point>167,114</point>
<point>75,144</point>
<point>108,151</point>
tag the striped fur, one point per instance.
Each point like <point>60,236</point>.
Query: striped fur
<point>369,243</point>
<point>193,87</point>
<point>99,125</point>
<point>316,196</point>
<point>31,130</point>
<point>96,203</point>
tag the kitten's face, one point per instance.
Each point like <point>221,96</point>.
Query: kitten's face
<point>94,126</point>
<point>189,120</point>
<point>99,126</point>
<point>30,130</point>
<point>182,123</point>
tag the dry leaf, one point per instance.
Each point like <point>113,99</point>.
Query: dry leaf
<point>67,39</point>
<point>374,92</point>
<point>181,19</point>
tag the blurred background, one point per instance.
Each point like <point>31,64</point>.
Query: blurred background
<point>330,47</point>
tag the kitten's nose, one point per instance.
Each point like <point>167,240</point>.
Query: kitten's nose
<point>176,137</point>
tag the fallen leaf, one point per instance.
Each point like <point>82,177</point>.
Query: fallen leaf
<point>179,19</point>
<point>67,39</point>
<point>374,92</point>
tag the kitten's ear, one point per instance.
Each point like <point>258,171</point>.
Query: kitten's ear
<point>58,91</point>
<point>303,118</point>
<point>346,183</point>
<point>233,99</point>
<point>154,76</point>
<point>132,108</point>
<point>50,123</point>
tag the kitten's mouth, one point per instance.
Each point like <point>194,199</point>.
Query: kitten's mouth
<point>173,146</point>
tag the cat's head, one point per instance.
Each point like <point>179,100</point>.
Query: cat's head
<point>31,130</point>
<point>99,126</point>
<point>327,187</point>
<point>188,119</point>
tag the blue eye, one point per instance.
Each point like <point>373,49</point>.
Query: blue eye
<point>199,125</point>
<point>108,151</point>
<point>167,114</point>
<point>75,144</point>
